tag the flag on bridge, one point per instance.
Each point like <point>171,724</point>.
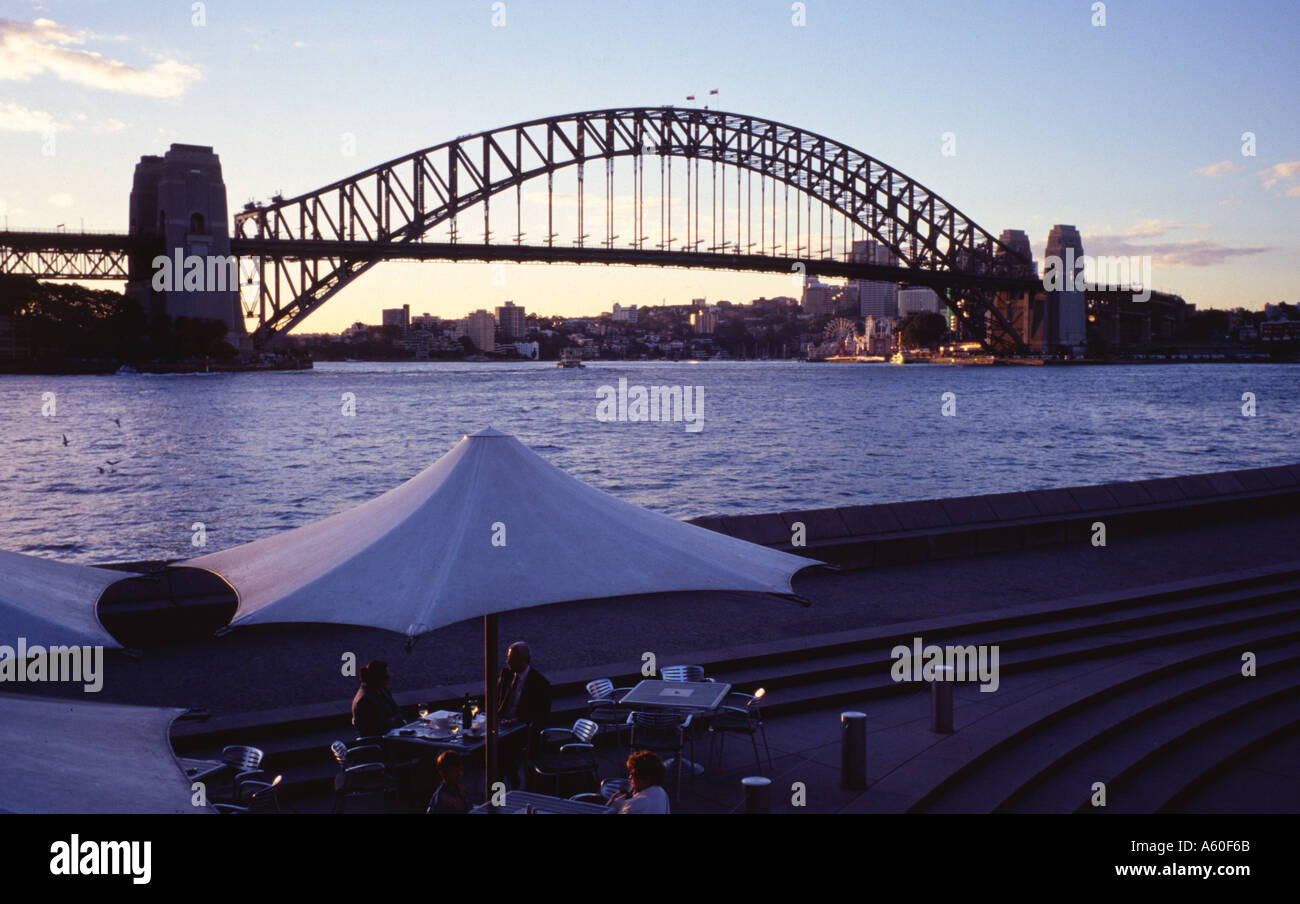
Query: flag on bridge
<point>714,91</point>
<point>690,97</point>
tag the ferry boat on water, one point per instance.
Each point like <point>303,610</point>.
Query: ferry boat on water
<point>570,357</point>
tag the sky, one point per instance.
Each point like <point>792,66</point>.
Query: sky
<point>1132,130</point>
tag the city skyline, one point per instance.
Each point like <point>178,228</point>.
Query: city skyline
<point>1171,182</point>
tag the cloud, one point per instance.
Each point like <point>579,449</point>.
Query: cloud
<point>1149,229</point>
<point>14,118</point>
<point>1281,174</point>
<point>1218,169</point>
<point>1194,253</point>
<point>29,49</point>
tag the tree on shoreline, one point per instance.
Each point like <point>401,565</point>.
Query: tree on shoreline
<point>70,323</point>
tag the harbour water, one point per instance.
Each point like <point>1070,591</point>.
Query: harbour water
<point>147,458</point>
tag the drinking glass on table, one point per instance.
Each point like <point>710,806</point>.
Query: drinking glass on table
<point>424,710</point>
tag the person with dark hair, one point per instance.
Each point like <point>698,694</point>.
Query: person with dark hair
<point>374,711</point>
<point>645,773</point>
<point>449,798</point>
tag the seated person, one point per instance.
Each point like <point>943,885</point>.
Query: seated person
<point>523,693</point>
<point>449,797</point>
<point>645,772</point>
<point>374,711</point>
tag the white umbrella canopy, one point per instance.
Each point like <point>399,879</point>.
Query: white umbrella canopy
<point>50,602</point>
<point>490,527</point>
<point>69,756</point>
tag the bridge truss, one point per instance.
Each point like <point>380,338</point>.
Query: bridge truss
<point>310,247</point>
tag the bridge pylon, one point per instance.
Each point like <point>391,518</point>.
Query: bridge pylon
<point>183,265</point>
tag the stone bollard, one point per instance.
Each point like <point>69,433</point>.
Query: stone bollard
<point>941,699</point>
<point>853,750</point>
<point>758,794</point>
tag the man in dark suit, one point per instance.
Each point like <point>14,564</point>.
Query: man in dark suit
<point>523,695</point>
<point>374,711</point>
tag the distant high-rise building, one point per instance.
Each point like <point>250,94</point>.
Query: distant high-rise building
<point>398,317</point>
<point>480,327</point>
<point>877,299</point>
<point>624,314</point>
<point>869,251</point>
<point>511,318</point>
<point>916,299</point>
<point>817,298</point>
<point>704,323</point>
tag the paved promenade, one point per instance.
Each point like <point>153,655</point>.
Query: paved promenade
<point>281,666</point>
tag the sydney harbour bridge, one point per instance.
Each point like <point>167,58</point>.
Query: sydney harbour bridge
<point>673,188</point>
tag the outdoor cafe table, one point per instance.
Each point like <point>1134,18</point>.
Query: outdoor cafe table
<point>516,801</point>
<point>420,733</point>
<point>677,696</point>
<point>684,696</point>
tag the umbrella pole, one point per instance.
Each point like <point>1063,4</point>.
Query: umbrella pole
<point>490,701</point>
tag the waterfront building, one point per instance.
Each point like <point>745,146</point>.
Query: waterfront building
<point>511,317</point>
<point>1120,323</point>
<point>879,337</point>
<point>398,317</point>
<point>480,327</point>
<point>16,341</point>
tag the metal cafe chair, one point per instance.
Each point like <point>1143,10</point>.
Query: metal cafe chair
<point>611,786</point>
<point>576,754</point>
<point>689,673</point>
<point>683,673</point>
<point>240,761</point>
<point>663,732</point>
<point>263,796</point>
<point>362,770</point>
<point>602,707</point>
<point>587,797</point>
<point>740,714</point>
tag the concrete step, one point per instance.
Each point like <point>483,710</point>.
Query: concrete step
<point>1046,771</point>
<point>924,778</point>
<point>1152,781</point>
<point>289,750</point>
<point>308,766</point>
<point>748,665</point>
<point>1265,773</point>
<point>818,667</point>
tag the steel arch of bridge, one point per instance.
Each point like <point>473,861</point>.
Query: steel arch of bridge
<point>397,202</point>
